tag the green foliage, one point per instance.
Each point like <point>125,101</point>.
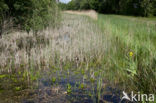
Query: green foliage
<point>3,6</point>
<point>17,88</point>
<point>82,86</point>
<point>74,5</point>
<point>154,7</point>
<point>3,9</point>
<point>85,4</point>
<point>2,76</point>
<point>63,6</point>
<point>127,7</point>
<point>30,14</point>
<point>53,79</point>
<point>94,4</point>
<point>69,87</point>
<point>147,7</point>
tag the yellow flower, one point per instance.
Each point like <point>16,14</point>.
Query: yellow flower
<point>130,54</point>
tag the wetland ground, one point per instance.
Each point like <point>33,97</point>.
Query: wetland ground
<point>84,60</point>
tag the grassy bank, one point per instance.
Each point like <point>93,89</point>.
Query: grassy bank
<point>132,58</point>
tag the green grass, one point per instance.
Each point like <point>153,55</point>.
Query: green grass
<point>135,35</point>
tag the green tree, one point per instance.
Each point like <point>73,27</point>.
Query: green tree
<point>3,10</point>
<point>148,8</point>
<point>71,5</point>
<point>63,6</point>
<point>130,7</point>
<point>126,7</point>
<point>108,6</point>
<point>94,4</point>
<point>85,4</point>
<point>154,7</point>
<point>30,14</point>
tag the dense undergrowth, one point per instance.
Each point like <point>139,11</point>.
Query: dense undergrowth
<point>30,15</point>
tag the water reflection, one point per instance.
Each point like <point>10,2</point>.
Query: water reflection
<point>49,90</point>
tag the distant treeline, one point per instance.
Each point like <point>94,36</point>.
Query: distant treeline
<point>126,7</point>
<point>28,14</point>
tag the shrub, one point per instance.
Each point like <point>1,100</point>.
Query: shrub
<point>3,9</point>
<point>31,14</point>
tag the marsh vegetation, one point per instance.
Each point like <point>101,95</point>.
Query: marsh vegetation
<point>66,60</point>
<point>78,57</point>
<point>83,60</point>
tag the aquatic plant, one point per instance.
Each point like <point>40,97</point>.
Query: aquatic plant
<point>69,88</point>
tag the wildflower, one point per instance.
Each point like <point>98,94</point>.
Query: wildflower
<point>130,54</point>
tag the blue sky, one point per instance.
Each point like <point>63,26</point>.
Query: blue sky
<point>65,1</point>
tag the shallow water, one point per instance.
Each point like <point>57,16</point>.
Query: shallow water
<point>54,88</point>
<point>63,85</point>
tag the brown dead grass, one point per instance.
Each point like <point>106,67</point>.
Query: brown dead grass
<point>90,13</point>
<point>77,38</point>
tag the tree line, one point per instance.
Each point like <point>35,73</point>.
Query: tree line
<point>28,14</point>
<point>126,7</point>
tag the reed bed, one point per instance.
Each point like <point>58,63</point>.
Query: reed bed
<point>77,40</point>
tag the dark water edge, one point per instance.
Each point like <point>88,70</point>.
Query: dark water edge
<point>62,87</point>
